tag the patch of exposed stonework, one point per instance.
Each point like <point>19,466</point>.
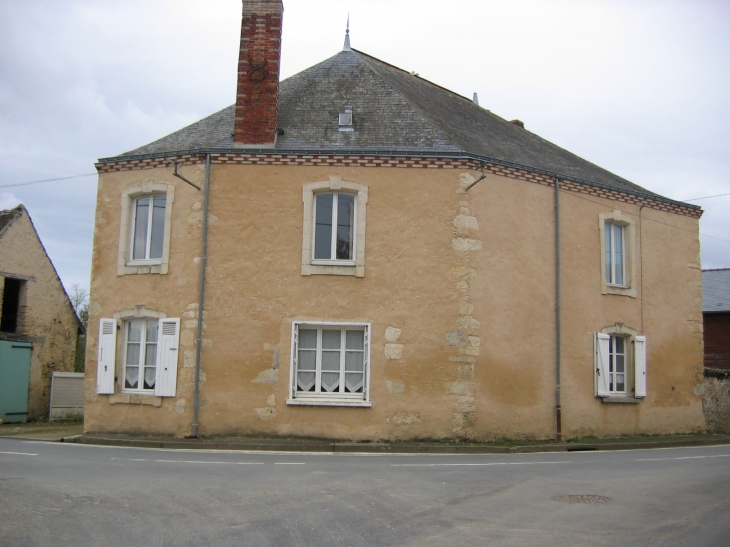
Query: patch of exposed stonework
<point>464,340</point>
<point>406,418</point>
<point>180,406</point>
<point>465,244</point>
<point>393,351</point>
<point>265,413</point>
<point>716,401</point>
<point>455,338</point>
<point>395,387</point>
<point>392,334</point>
<point>268,376</point>
<point>186,375</point>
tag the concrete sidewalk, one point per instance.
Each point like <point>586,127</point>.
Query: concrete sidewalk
<point>73,432</point>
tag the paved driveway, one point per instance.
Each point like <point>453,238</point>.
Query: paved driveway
<point>77,495</point>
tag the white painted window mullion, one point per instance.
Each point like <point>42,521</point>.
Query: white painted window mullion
<point>318,363</point>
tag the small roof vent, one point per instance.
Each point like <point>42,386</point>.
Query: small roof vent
<point>346,119</point>
<point>476,99</point>
<point>519,123</point>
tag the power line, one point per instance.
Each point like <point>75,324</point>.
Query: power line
<point>47,180</point>
<point>708,197</point>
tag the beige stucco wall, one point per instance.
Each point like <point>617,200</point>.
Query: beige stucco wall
<point>468,279</point>
<point>46,317</point>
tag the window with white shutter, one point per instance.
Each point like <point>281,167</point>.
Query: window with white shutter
<point>620,365</point>
<point>640,366</point>
<point>167,352</point>
<point>105,370</point>
<point>601,347</point>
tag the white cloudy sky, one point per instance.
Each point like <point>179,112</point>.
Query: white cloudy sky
<point>638,87</point>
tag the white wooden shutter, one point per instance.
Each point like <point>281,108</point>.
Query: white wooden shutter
<point>640,366</point>
<point>107,356</point>
<point>602,342</point>
<point>167,343</point>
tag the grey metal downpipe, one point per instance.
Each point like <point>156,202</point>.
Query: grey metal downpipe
<point>558,297</point>
<point>201,298</point>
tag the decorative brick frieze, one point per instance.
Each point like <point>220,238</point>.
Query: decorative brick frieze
<point>243,158</point>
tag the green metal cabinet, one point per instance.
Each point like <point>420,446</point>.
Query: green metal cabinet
<point>14,380</point>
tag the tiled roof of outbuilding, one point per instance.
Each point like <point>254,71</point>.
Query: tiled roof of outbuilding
<point>393,110</point>
<point>716,290</point>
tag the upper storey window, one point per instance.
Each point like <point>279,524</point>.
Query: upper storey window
<point>148,228</point>
<point>618,251</point>
<point>334,231</point>
<point>144,230</point>
<point>614,253</point>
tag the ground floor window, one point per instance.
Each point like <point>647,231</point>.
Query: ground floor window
<point>140,354</point>
<point>149,355</point>
<point>617,365</point>
<point>620,364</point>
<point>330,361</point>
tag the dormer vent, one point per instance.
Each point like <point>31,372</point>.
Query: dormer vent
<point>518,123</point>
<point>346,119</point>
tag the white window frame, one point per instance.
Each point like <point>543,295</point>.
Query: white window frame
<point>613,271</point>
<point>333,239</point>
<point>634,364</point>
<point>355,266</point>
<point>613,354</point>
<point>141,365</point>
<point>628,287</point>
<point>125,263</point>
<point>329,398</point>
<point>148,236</point>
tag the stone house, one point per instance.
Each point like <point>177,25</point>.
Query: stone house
<point>716,317</point>
<point>38,325</point>
<point>356,252</point>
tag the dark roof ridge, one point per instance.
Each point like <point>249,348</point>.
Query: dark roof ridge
<point>716,269</point>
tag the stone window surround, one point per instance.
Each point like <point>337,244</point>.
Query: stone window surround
<point>335,184</point>
<point>124,264</point>
<point>619,329</point>
<point>617,217</point>
<point>138,312</point>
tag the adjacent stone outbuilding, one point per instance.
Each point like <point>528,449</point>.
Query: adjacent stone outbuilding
<point>38,325</point>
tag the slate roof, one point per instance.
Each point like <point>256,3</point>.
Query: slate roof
<point>716,290</point>
<point>394,111</point>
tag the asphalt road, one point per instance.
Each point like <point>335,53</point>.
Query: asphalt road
<point>54,494</point>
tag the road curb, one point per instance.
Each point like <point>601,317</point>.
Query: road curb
<point>394,448</point>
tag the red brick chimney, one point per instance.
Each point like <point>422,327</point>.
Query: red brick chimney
<point>257,97</point>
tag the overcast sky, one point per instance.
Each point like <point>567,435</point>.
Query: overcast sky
<point>640,88</point>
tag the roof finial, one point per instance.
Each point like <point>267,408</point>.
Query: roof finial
<point>346,47</point>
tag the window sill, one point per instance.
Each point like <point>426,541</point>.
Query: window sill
<point>621,291</point>
<point>313,269</point>
<point>329,402</point>
<point>136,399</point>
<point>132,269</point>
<point>618,399</point>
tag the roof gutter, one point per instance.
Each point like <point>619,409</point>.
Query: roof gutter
<point>395,153</point>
